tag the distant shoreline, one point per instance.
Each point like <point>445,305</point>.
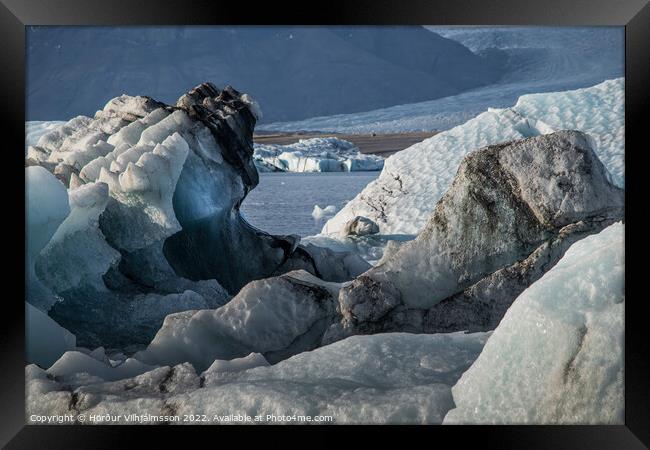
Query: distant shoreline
<point>382,144</point>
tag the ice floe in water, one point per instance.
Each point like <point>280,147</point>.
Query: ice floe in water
<point>557,355</point>
<point>400,203</point>
<point>328,154</point>
<point>319,213</point>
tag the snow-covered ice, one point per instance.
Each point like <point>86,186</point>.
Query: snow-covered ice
<point>329,154</point>
<point>400,203</point>
<point>557,355</point>
<point>537,59</point>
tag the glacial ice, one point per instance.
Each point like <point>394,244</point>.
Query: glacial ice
<point>499,210</point>
<point>479,226</point>
<point>386,378</point>
<point>328,154</point>
<point>497,229</point>
<point>155,227</point>
<point>60,265</point>
<point>557,355</point>
<point>152,170</point>
<point>400,203</point>
<point>319,213</point>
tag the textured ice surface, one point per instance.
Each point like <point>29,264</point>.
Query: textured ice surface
<point>389,378</point>
<point>45,340</point>
<point>500,207</point>
<point>47,204</point>
<point>275,316</point>
<point>315,155</point>
<point>61,266</point>
<point>400,202</point>
<point>319,213</point>
<point>557,355</point>
<point>75,367</point>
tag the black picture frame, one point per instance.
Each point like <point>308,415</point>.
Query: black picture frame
<point>633,14</point>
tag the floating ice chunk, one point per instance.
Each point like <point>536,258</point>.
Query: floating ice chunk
<point>45,339</point>
<point>401,203</point>
<point>143,213</point>
<point>174,123</point>
<point>557,355</point>
<point>47,206</point>
<point>315,155</point>
<point>360,226</point>
<point>318,213</point>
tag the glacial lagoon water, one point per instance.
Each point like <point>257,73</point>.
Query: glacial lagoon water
<point>282,203</point>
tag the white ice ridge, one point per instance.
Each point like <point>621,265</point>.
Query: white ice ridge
<point>557,355</point>
<point>400,202</point>
<point>329,154</point>
<point>385,378</point>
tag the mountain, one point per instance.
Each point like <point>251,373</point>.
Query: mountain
<point>533,59</point>
<point>294,72</point>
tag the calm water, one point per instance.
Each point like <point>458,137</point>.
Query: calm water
<point>283,202</point>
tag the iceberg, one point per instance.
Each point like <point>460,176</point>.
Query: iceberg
<point>557,356</point>
<point>400,203</point>
<point>509,215</point>
<point>329,154</point>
